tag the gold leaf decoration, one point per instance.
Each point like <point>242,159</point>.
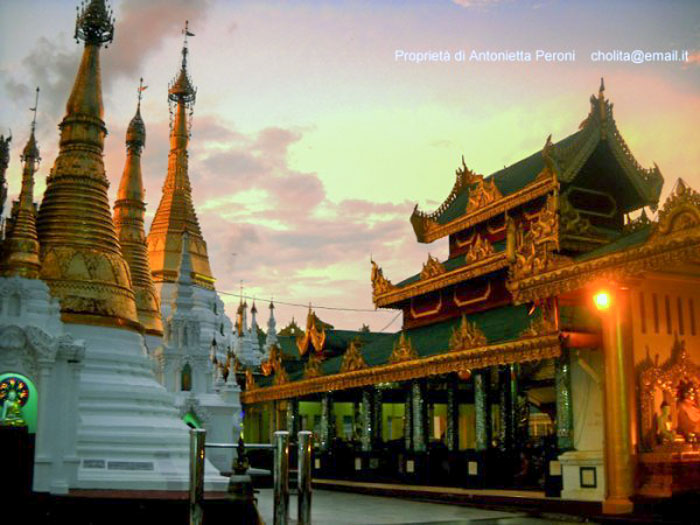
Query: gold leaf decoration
<point>380,284</point>
<point>481,249</point>
<point>485,192</point>
<point>403,350</point>
<point>431,268</point>
<point>250,383</point>
<point>313,367</point>
<point>352,359</point>
<point>466,335</point>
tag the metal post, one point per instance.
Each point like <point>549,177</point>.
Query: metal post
<point>304,478</point>
<point>197,439</point>
<point>281,478</point>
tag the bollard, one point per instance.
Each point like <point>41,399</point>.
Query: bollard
<point>304,477</point>
<point>197,438</point>
<point>281,478</point>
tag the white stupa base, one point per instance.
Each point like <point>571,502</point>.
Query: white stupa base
<point>130,436</point>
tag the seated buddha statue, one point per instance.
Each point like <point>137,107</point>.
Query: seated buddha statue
<point>12,411</point>
<point>688,411</point>
<point>664,425</point>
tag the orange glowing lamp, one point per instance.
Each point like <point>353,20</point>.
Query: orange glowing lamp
<point>602,300</point>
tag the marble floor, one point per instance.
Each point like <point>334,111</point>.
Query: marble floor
<point>344,508</point>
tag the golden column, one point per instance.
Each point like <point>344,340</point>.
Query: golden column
<point>21,248</point>
<point>129,210</point>
<point>176,212</point>
<point>81,260</point>
<point>619,460</point>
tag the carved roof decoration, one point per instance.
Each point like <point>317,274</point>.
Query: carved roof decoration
<point>352,358</point>
<point>673,240</point>
<point>521,350</point>
<point>466,336</point>
<point>314,336</point>
<point>403,350</point>
<point>250,383</point>
<point>380,284</point>
<point>313,367</point>
<point>475,198</point>
<point>431,268</point>
<point>481,249</point>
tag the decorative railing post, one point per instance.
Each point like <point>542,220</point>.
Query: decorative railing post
<point>281,478</point>
<point>304,477</point>
<point>197,439</point>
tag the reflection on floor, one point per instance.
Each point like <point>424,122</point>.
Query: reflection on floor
<point>342,508</point>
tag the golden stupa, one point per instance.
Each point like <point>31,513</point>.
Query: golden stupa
<point>175,213</point>
<point>129,210</point>
<point>81,260</point>
<point>21,247</point>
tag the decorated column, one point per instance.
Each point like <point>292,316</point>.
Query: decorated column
<point>507,391</point>
<point>565,420</point>
<point>367,419</point>
<point>420,416</point>
<point>327,421</point>
<point>376,417</point>
<point>408,420</point>
<point>452,430</point>
<point>482,410</point>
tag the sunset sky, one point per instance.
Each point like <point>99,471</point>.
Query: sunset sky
<point>311,144</point>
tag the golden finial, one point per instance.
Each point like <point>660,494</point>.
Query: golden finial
<point>94,23</point>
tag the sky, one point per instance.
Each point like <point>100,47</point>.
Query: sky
<point>313,138</point>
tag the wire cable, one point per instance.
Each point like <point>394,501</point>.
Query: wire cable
<point>314,306</point>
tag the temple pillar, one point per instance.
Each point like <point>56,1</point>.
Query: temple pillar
<point>507,413</point>
<point>619,462</point>
<point>565,420</point>
<point>376,417</point>
<point>482,410</point>
<point>366,418</point>
<point>420,416</point>
<point>408,420</point>
<point>327,421</point>
<point>452,427</point>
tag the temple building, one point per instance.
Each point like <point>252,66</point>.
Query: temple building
<point>76,306</point>
<point>555,349</point>
<point>176,214</point>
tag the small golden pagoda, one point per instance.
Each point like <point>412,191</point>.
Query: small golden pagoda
<point>21,248</point>
<point>129,210</point>
<point>81,260</point>
<point>175,212</point>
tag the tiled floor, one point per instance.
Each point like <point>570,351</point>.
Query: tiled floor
<point>342,508</point>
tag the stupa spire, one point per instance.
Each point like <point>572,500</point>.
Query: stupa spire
<point>175,212</point>
<point>81,259</point>
<point>129,210</point>
<point>183,298</point>
<point>21,249</point>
